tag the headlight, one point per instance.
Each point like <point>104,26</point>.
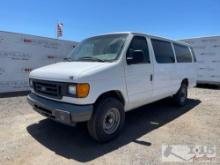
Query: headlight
<point>78,90</point>
<point>31,83</point>
<point>72,90</point>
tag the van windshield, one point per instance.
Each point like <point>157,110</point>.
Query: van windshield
<point>104,48</point>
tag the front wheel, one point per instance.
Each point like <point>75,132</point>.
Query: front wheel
<point>180,98</point>
<point>107,120</point>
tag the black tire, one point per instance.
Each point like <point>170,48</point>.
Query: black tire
<point>180,98</point>
<point>97,125</point>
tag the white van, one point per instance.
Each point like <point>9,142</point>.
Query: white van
<point>107,75</point>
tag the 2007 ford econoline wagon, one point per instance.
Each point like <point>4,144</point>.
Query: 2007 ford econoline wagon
<point>107,75</point>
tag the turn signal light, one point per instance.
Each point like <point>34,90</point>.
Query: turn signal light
<point>82,90</point>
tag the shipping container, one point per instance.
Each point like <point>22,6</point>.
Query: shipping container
<point>207,51</point>
<point>21,53</point>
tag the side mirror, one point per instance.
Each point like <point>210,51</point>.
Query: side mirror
<point>135,56</point>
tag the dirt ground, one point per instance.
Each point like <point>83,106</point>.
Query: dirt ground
<point>28,138</point>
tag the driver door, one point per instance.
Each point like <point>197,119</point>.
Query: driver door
<point>139,75</point>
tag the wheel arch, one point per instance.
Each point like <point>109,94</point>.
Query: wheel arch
<point>113,93</point>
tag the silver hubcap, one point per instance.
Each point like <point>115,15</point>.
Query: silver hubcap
<point>111,121</point>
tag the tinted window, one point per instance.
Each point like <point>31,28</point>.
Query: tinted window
<point>182,53</point>
<point>194,55</point>
<point>163,51</point>
<point>140,43</point>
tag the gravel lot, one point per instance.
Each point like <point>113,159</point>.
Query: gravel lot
<point>28,138</point>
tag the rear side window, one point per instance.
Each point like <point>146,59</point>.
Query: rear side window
<point>163,51</point>
<point>194,55</point>
<point>140,43</point>
<point>183,54</point>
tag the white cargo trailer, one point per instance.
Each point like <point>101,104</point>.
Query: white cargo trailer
<point>21,53</point>
<point>207,51</point>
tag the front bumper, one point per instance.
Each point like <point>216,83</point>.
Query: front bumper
<point>60,111</point>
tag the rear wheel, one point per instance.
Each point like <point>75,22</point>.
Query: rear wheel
<point>107,120</point>
<point>180,98</point>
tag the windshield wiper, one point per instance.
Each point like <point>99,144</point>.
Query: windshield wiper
<point>91,58</point>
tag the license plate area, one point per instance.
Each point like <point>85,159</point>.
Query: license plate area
<point>58,115</point>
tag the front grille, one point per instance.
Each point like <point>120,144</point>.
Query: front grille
<point>48,88</point>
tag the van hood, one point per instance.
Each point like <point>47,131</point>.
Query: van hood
<point>65,71</point>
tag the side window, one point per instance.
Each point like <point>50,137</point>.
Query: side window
<point>163,51</point>
<point>194,55</point>
<point>183,54</point>
<point>139,43</point>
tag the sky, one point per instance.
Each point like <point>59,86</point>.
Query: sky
<point>174,19</point>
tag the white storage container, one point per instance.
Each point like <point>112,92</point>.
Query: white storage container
<point>21,53</point>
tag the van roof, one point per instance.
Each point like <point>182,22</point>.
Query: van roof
<point>201,37</point>
<point>148,35</point>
